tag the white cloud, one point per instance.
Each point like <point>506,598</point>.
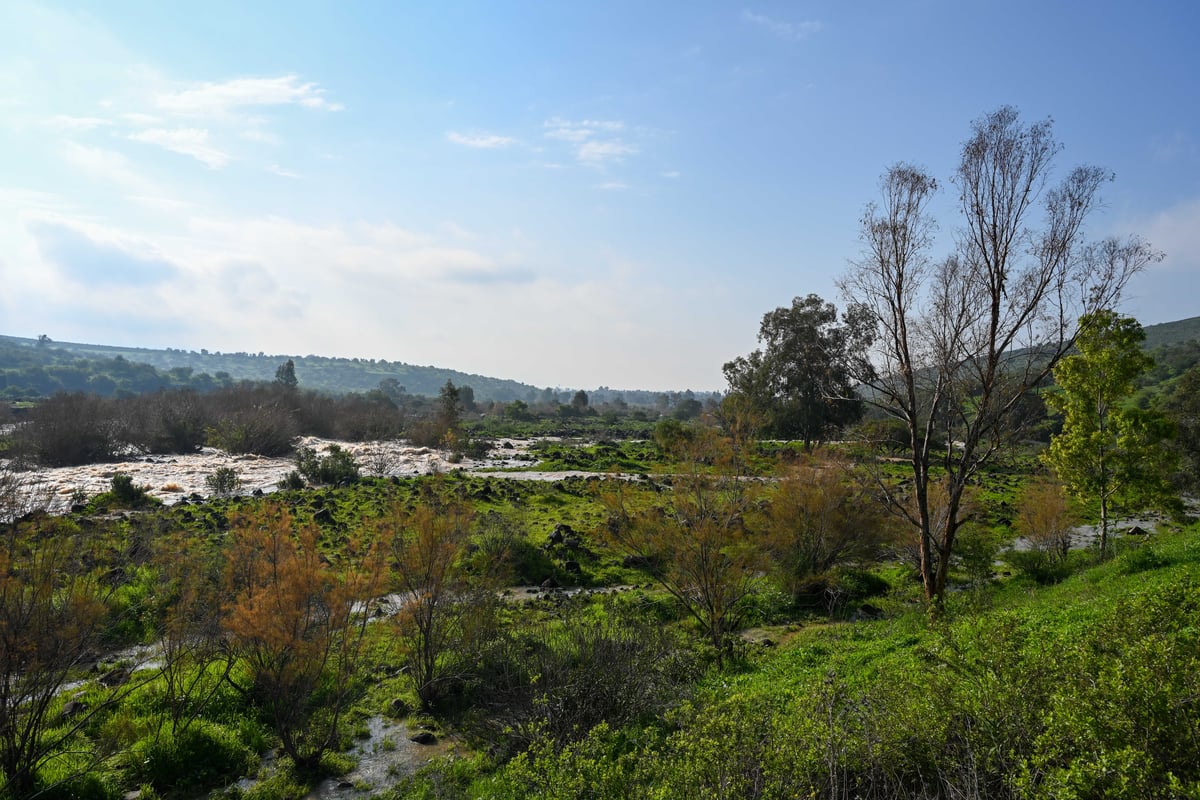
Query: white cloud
<point>483,141</point>
<point>1175,231</point>
<point>784,30</point>
<point>185,141</point>
<point>595,140</point>
<point>1167,290</point>
<point>594,152</point>
<point>670,173</point>
<point>612,186</point>
<point>69,124</point>
<point>209,98</point>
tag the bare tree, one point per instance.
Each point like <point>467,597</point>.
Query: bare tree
<point>962,340</point>
<point>433,623</point>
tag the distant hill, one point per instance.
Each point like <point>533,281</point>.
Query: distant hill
<point>1171,333</point>
<point>33,368</point>
<point>70,366</point>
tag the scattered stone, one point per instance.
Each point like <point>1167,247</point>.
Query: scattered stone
<point>423,737</point>
<point>399,708</point>
<point>73,708</point>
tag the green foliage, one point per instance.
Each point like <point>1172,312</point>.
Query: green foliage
<point>203,755</point>
<point>223,482</point>
<point>285,375</point>
<point>605,456</point>
<point>801,384</point>
<point>337,467</point>
<point>1107,451</point>
<point>1083,691</point>
<point>123,493</point>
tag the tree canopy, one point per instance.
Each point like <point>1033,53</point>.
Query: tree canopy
<point>1108,451</point>
<point>801,382</point>
<point>961,341</point>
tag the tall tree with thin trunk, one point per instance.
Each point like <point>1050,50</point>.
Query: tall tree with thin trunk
<point>1108,452</point>
<point>962,340</point>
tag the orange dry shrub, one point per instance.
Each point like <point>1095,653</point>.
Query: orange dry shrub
<point>292,619</point>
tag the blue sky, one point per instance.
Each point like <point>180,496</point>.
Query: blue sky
<point>567,194</point>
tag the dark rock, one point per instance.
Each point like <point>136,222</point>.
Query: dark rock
<point>423,737</point>
<point>549,583</point>
<point>573,542</point>
<point>1138,530</point>
<point>73,708</point>
<point>344,785</point>
<point>114,678</point>
<point>399,708</point>
<point>573,567</point>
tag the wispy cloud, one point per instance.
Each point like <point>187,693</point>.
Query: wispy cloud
<point>208,98</point>
<point>582,130</point>
<point>185,141</point>
<point>596,142</point>
<point>612,186</point>
<point>670,173</point>
<point>601,152</point>
<point>784,30</point>
<point>482,141</point>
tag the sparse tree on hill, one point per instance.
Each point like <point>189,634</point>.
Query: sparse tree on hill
<point>962,340</point>
<point>285,375</point>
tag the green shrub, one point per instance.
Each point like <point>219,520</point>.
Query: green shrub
<point>223,482</point>
<point>293,480</point>
<point>335,468</point>
<point>123,493</point>
<point>1043,566</point>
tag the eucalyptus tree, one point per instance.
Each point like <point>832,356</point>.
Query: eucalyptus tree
<point>801,381</point>
<point>962,340</point>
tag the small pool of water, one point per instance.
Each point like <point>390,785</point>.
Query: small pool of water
<point>385,756</point>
